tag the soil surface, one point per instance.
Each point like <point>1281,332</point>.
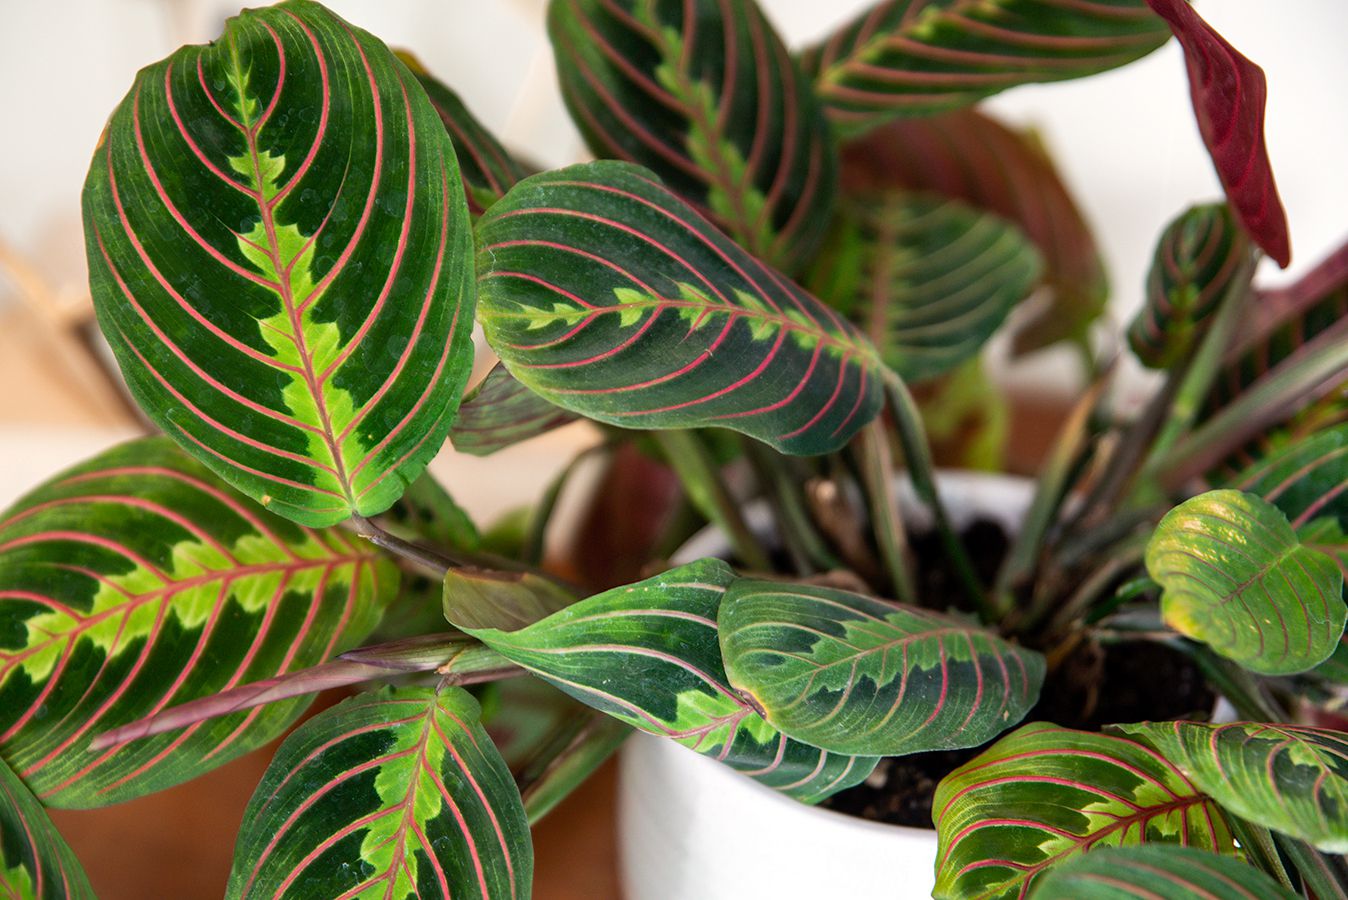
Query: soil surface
<point>1093,687</point>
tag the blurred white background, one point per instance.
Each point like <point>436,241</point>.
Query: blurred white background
<point>1125,140</point>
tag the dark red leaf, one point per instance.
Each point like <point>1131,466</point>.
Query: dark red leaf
<point>1229,93</point>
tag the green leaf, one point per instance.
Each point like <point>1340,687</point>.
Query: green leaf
<point>705,94</point>
<point>648,655</point>
<point>35,861</point>
<point>1195,264</point>
<point>1234,576</point>
<point>853,674</point>
<point>427,512</point>
<point>1149,872</point>
<point>929,280</point>
<point>488,170</point>
<point>607,295</point>
<point>280,257</point>
<point>139,581</point>
<point>476,598</point>
<point>1306,479</point>
<point>1044,795</point>
<point>913,57</point>
<point>968,156</point>
<point>1290,778</point>
<point>501,412</point>
<point>391,794</point>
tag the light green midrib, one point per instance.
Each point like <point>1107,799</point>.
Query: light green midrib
<point>296,326</point>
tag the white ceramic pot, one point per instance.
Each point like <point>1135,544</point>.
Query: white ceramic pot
<point>690,828</point>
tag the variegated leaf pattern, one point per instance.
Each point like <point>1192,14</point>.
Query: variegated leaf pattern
<point>1044,795</point>
<point>487,168</point>
<point>1196,262</point>
<point>928,279</point>
<point>853,674</point>
<point>969,156</point>
<point>500,412</point>
<point>1235,576</point>
<point>1307,479</point>
<point>280,256</point>
<point>607,295</point>
<point>138,581</point>
<point>704,93</point>
<point>397,793</point>
<point>35,861</point>
<point>1229,93</point>
<point>1291,778</point>
<point>648,655</point>
<point>910,57</point>
<point>1154,871</point>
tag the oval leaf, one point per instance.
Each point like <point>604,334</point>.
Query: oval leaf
<point>1044,794</point>
<point>853,674</point>
<point>1195,264</point>
<point>928,279</point>
<point>1163,870</point>
<point>1229,92</point>
<point>487,169</point>
<point>647,654</point>
<point>607,295</point>
<point>35,861</point>
<point>1235,576</point>
<point>501,412</point>
<point>910,57</point>
<point>705,94</point>
<point>391,794</point>
<point>139,581</point>
<point>1290,778</point>
<point>279,254</point>
<point>966,155</point>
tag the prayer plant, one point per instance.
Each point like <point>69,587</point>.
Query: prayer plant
<point>291,233</point>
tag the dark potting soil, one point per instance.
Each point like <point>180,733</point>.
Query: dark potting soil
<point>1095,686</point>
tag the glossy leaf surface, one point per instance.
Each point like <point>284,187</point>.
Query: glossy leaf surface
<point>280,257</point>
<point>1152,871</point>
<point>966,155</point>
<point>853,674</point>
<point>487,168</point>
<point>35,861</point>
<point>138,581</point>
<point>912,57</point>
<point>1196,262</point>
<point>609,296</point>
<point>705,94</point>
<point>500,412</point>
<point>390,794</point>
<point>1290,778</point>
<point>1044,795</point>
<point>929,280</point>
<point>1228,93</point>
<point>1235,576</point>
<point>648,655</point>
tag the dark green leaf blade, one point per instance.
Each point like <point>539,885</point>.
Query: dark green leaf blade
<point>501,412</point>
<point>1235,576</point>
<point>1290,778</point>
<point>648,655</point>
<point>853,674</point>
<point>929,280</point>
<point>488,170</point>
<point>35,861</point>
<point>1195,263</point>
<point>280,256</point>
<point>390,794</point>
<point>705,94</point>
<point>1162,870</point>
<point>607,295</point>
<point>138,581</point>
<point>911,57</point>
<point>1043,795</point>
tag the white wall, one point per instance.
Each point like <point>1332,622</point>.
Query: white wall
<point>1125,140</point>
